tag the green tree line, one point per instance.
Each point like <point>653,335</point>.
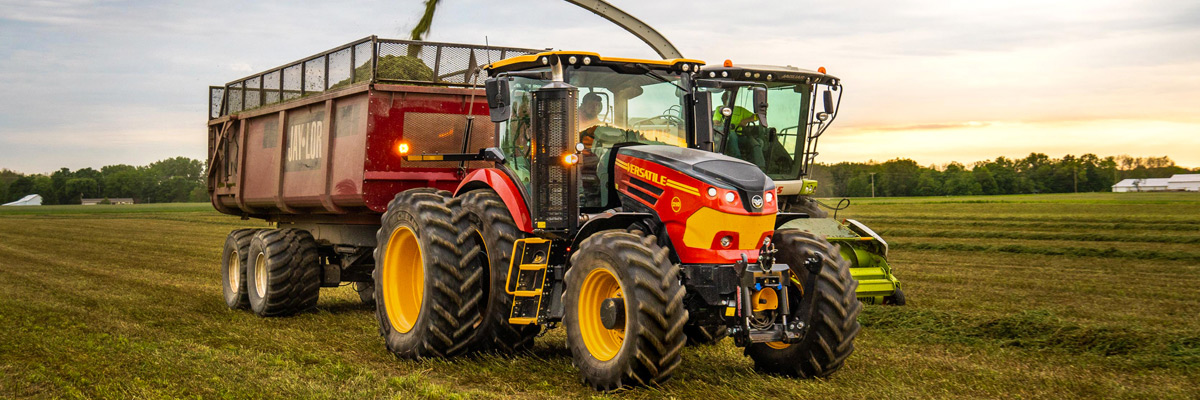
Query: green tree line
<point>1036,173</point>
<point>178,179</point>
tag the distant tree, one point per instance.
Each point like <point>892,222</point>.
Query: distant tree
<point>199,194</point>
<point>929,183</point>
<point>959,181</point>
<point>132,183</point>
<point>859,186</point>
<point>79,188</point>
<point>19,188</point>
<point>983,177</point>
<point>897,178</point>
<point>44,186</point>
<point>58,183</point>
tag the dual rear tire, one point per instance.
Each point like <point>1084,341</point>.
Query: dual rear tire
<point>273,272</point>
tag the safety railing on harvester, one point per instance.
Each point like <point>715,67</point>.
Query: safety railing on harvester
<point>368,60</point>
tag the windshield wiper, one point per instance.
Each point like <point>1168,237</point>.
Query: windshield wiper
<point>649,72</point>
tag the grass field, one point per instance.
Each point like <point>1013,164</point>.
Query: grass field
<point>1043,296</point>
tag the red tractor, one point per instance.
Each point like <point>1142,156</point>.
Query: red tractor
<point>588,204</point>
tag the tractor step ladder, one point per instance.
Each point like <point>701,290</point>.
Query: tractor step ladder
<point>527,279</point>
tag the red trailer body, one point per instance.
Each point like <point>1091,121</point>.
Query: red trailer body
<point>318,140</point>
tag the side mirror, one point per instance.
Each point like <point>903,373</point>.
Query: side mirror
<point>828,97</point>
<point>702,115</point>
<point>760,104</point>
<point>499,103</point>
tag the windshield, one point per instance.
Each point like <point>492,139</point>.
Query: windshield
<point>615,108</point>
<point>777,147</point>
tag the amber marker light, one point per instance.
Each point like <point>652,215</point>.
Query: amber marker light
<point>570,159</point>
<point>402,148</point>
<point>728,63</point>
<point>821,70</point>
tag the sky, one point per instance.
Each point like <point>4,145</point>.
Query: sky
<point>92,83</point>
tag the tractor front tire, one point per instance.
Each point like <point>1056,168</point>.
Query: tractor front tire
<point>426,297</point>
<point>366,292</point>
<point>283,276</point>
<point>807,205</point>
<point>626,280</point>
<point>832,309</point>
<point>495,231</point>
<point>233,268</point>
<point>705,335</point>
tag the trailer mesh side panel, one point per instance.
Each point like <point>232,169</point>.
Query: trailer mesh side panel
<point>366,60</point>
<point>271,94</point>
<point>362,62</point>
<point>291,82</point>
<point>253,93</point>
<point>339,69</point>
<point>216,95</point>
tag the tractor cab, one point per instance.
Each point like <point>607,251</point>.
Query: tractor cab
<point>803,104</point>
<point>576,108</point>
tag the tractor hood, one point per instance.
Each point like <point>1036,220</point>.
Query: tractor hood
<point>712,168</point>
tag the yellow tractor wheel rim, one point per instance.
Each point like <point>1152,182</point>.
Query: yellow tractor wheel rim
<point>601,342</point>
<point>778,345</point>
<point>403,279</point>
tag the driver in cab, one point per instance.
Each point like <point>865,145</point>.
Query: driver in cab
<point>739,142</point>
<point>589,119</point>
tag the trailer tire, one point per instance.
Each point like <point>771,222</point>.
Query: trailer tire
<point>616,264</point>
<point>705,335</point>
<point>495,231</point>
<point>426,296</point>
<point>832,323</point>
<point>233,268</point>
<point>283,274</point>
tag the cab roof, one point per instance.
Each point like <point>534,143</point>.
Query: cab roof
<point>766,73</point>
<point>582,58</point>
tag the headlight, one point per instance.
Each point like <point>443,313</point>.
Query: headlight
<point>730,197</point>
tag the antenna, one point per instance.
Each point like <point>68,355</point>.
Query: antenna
<point>489,53</point>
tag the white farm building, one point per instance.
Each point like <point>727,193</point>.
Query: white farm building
<point>30,200</point>
<point>1178,182</point>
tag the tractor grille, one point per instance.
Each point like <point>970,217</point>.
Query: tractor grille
<point>553,123</point>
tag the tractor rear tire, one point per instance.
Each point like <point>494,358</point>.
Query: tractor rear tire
<point>233,268</point>
<point>617,275</point>
<point>495,231</point>
<point>807,205</point>
<point>832,323</point>
<point>283,276</point>
<point>426,296</point>
<point>705,335</point>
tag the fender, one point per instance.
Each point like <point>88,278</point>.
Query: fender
<point>600,222</point>
<point>498,181</point>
